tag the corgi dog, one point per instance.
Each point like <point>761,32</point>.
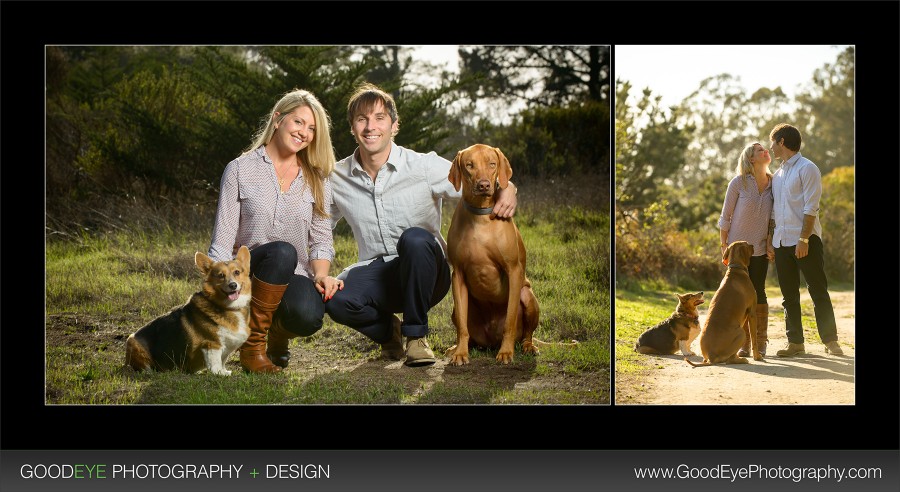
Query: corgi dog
<point>204,332</point>
<point>678,331</point>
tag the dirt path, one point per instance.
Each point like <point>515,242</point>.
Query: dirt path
<point>815,378</point>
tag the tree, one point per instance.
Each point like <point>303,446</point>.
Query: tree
<point>65,128</point>
<point>564,73</point>
<point>557,140</point>
<point>727,118</point>
<point>333,73</point>
<point>827,114</point>
<point>837,216</point>
<point>393,62</point>
<point>156,146</point>
<point>147,121</point>
<point>652,149</point>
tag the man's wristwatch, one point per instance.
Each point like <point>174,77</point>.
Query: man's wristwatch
<point>803,240</point>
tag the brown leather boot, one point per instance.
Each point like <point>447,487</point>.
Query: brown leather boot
<point>745,348</point>
<point>263,303</point>
<point>277,347</point>
<point>762,325</point>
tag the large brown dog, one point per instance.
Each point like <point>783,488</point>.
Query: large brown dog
<point>493,304</point>
<point>733,304</point>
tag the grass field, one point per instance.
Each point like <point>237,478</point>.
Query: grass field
<point>102,286</point>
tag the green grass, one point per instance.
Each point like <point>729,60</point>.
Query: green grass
<point>82,377</point>
<point>242,389</point>
<point>635,312</point>
<point>102,286</point>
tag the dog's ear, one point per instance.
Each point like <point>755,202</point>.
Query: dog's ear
<point>505,171</point>
<point>203,262</point>
<point>243,257</point>
<point>455,176</point>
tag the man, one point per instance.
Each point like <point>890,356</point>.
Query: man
<point>797,241</point>
<point>391,197</point>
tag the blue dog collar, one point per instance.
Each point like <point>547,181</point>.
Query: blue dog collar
<point>477,211</point>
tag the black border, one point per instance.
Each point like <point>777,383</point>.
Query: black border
<point>28,26</point>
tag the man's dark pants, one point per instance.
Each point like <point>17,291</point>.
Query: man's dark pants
<point>411,284</point>
<point>788,267</point>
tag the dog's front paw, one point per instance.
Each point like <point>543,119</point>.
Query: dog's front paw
<point>688,353</point>
<point>222,372</point>
<point>459,357</point>
<point>529,348</point>
<point>505,357</point>
<point>459,360</point>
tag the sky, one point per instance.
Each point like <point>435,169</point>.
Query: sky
<point>444,55</point>
<point>674,72</point>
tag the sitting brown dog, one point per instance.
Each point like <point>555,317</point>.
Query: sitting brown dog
<point>733,304</point>
<point>677,331</point>
<point>493,304</point>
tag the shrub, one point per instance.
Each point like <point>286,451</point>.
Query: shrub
<point>558,141</point>
<point>649,246</point>
<point>836,213</point>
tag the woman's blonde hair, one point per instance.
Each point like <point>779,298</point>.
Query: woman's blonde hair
<point>317,159</point>
<point>744,166</point>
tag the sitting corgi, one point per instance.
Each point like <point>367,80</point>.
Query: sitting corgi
<point>677,331</point>
<point>203,333</point>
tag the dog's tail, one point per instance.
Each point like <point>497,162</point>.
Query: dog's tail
<point>703,364</point>
<point>539,343</point>
<point>136,355</point>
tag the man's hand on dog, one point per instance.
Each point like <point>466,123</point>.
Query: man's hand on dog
<point>505,207</point>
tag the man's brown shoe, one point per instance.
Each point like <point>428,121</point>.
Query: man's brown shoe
<point>833,348</point>
<point>791,349</point>
<point>418,353</point>
<point>394,349</point>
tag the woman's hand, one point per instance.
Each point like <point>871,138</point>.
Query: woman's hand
<point>327,286</point>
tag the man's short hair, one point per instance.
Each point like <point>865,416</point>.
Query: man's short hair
<point>364,99</point>
<point>790,134</point>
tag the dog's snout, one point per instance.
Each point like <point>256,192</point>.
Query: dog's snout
<point>232,285</point>
<point>483,185</point>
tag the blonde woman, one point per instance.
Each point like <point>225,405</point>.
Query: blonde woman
<point>275,199</point>
<point>745,217</point>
